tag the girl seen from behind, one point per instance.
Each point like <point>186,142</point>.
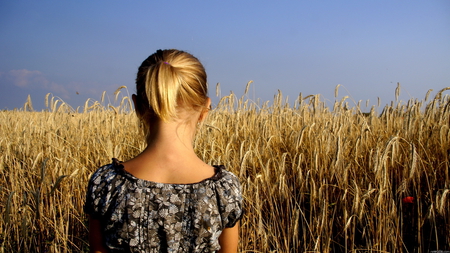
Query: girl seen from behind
<point>166,199</point>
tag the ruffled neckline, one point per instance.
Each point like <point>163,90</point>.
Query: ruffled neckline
<point>118,166</point>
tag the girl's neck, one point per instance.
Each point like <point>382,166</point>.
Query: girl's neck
<point>170,157</point>
<point>175,135</point>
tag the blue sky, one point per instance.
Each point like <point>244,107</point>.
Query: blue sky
<point>78,49</point>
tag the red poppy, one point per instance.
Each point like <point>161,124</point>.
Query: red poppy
<point>408,200</point>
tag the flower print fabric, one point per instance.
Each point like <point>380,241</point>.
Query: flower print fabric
<point>137,215</point>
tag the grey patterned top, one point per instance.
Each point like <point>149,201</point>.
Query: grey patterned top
<point>143,216</point>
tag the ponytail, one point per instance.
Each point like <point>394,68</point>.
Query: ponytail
<point>167,81</point>
<point>162,89</point>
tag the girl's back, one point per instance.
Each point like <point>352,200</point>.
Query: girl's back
<point>144,216</point>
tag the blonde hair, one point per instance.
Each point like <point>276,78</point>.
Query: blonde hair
<point>167,81</point>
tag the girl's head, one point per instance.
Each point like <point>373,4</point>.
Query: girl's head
<point>170,83</point>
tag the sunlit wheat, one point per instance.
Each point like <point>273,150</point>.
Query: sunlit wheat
<point>314,178</point>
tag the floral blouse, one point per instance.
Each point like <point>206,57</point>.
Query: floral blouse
<point>137,215</point>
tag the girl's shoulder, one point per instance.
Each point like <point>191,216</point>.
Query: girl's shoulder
<point>114,173</point>
<point>224,175</point>
<point>108,171</point>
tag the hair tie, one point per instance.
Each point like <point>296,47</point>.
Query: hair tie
<point>166,63</point>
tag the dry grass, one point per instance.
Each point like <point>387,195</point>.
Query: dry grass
<point>315,179</point>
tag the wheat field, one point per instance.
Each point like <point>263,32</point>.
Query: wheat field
<point>314,178</point>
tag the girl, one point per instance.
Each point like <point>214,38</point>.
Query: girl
<point>166,199</point>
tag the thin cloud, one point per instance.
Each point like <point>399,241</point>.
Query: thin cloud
<point>34,79</point>
<point>25,78</point>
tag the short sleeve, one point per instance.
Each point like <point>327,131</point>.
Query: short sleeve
<point>230,199</point>
<point>94,194</point>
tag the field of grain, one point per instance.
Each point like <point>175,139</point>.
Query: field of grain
<point>314,178</point>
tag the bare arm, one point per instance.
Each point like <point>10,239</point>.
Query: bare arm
<point>95,237</point>
<point>229,239</point>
